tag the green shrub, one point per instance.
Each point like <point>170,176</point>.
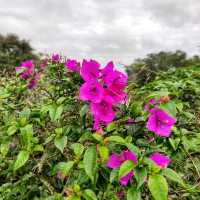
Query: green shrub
<point>50,151</point>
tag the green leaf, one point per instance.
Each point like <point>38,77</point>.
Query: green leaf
<point>172,175</point>
<point>73,197</point>
<point>111,127</point>
<point>83,111</point>
<point>97,137</point>
<point>158,187</point>
<point>58,112</point>
<point>58,131</point>
<point>125,168</point>
<point>133,194</point>
<point>169,107</point>
<point>104,153</point>
<point>174,143</point>
<point>27,136</point>
<point>140,175</point>
<point>55,112</point>
<point>116,139</point>
<point>136,108</point>
<point>63,167</point>
<point>60,143</point>
<point>12,130</point>
<point>90,162</point>
<point>38,147</point>
<point>113,175</point>
<point>61,100</point>
<point>78,149</point>
<point>4,148</point>
<point>89,195</point>
<point>22,158</point>
<point>158,94</point>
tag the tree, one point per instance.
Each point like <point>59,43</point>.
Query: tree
<point>13,51</point>
<point>145,70</point>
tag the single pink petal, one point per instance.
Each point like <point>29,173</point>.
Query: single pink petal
<point>104,110</point>
<point>28,64</point>
<point>163,130</point>
<point>91,91</point>
<point>125,179</point>
<point>72,65</point>
<point>160,160</point>
<point>129,155</point>
<point>96,125</point>
<point>90,70</point>
<point>108,69</point>
<point>115,160</point>
<point>116,94</point>
<point>152,123</point>
<point>117,78</point>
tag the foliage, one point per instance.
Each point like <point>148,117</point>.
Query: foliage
<point>145,70</point>
<point>50,151</point>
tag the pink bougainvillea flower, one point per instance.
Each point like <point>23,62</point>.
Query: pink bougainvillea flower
<point>150,103</point>
<point>33,83</point>
<point>107,70</point>
<point>56,58</point>
<point>90,70</point>
<point>72,65</point>
<point>91,91</point>
<point>160,122</point>
<point>26,69</point>
<point>103,110</point>
<point>104,88</point>
<point>125,179</point>
<point>116,160</point>
<point>28,64</point>
<point>26,74</point>
<point>160,160</point>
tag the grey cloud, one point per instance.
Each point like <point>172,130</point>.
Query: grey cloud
<point>121,30</point>
<point>174,13</point>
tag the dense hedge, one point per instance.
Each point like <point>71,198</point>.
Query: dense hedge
<point>50,150</point>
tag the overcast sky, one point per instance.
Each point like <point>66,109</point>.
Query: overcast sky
<point>118,30</point>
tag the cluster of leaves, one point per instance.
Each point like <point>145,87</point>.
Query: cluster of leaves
<point>49,151</point>
<point>182,87</point>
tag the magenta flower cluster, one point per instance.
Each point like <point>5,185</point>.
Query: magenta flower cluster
<point>27,73</point>
<point>103,89</point>
<point>116,160</point>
